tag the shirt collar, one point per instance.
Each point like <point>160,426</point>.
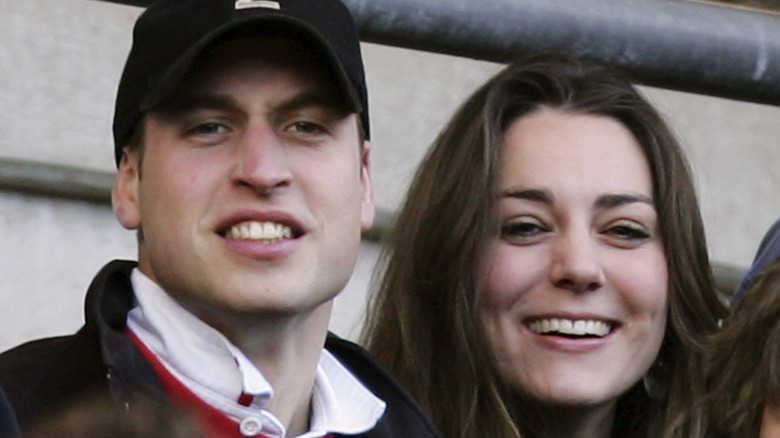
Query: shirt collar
<point>222,373</point>
<point>340,402</point>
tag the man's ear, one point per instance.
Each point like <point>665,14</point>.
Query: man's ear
<point>124,196</point>
<point>368,208</point>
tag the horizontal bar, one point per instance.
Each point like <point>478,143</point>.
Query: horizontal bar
<point>55,181</point>
<point>674,44</point>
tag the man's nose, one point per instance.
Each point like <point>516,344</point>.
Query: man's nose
<point>261,160</point>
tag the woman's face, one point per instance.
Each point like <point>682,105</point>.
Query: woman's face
<point>575,300</point>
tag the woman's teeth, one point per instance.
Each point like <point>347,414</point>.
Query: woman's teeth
<point>260,231</point>
<point>580,327</point>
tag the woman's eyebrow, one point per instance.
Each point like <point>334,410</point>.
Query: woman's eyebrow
<point>618,199</point>
<point>535,195</point>
<point>602,202</point>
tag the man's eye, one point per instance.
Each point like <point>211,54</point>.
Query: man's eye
<point>210,128</point>
<point>306,128</point>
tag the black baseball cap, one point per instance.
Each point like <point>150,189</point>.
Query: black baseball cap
<point>170,35</point>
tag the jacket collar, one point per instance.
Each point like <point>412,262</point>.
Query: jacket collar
<point>109,299</point>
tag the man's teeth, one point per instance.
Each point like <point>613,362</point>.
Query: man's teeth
<point>265,231</point>
<point>579,327</point>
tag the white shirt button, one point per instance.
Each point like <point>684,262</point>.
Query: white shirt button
<point>250,426</point>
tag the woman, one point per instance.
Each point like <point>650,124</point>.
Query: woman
<point>743,367</point>
<point>743,363</point>
<point>548,260</point>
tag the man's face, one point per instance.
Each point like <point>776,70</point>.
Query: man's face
<point>253,188</point>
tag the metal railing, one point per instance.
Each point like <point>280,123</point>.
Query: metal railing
<point>675,44</point>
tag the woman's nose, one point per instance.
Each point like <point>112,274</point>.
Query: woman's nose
<point>576,264</point>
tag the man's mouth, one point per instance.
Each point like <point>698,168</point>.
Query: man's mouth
<point>571,328</point>
<point>266,232</point>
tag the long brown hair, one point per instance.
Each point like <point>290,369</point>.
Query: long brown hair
<point>423,322</point>
<point>743,364</point>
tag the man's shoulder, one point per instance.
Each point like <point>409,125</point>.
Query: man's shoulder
<point>403,417</point>
<point>56,361</point>
<point>8,425</point>
<point>39,375</point>
<point>45,353</point>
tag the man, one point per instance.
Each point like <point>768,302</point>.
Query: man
<point>240,136</point>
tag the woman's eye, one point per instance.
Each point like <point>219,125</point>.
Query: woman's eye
<point>628,232</point>
<point>522,229</point>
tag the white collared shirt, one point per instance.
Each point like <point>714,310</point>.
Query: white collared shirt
<point>215,370</point>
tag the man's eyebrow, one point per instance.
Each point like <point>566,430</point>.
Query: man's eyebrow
<point>307,99</point>
<point>534,195</point>
<point>605,202</point>
<point>196,100</point>
<point>206,100</point>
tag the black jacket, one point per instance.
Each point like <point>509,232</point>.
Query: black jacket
<point>8,426</point>
<point>42,376</point>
